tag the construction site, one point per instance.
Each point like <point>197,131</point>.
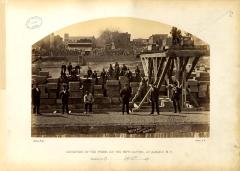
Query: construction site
<point>181,60</point>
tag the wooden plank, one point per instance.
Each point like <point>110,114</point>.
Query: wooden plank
<point>185,62</point>
<point>189,52</point>
<point>151,55</point>
<point>164,72</point>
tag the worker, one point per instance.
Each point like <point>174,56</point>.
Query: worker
<point>124,70</point>
<point>69,68</point>
<point>95,76</point>
<point>36,93</point>
<point>89,72</point>
<point>77,69</point>
<point>154,92</point>
<point>110,71</point>
<point>88,101</point>
<point>125,94</point>
<point>64,68</point>
<point>64,96</point>
<point>103,76</point>
<point>137,72</point>
<point>176,91</point>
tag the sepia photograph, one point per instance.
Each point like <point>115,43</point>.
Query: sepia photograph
<point>120,77</point>
<point>119,85</point>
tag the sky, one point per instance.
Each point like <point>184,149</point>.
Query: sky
<point>138,28</point>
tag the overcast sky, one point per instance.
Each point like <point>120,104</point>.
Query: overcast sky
<point>138,28</point>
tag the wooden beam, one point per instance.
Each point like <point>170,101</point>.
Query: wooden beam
<point>154,55</point>
<point>164,72</point>
<point>188,52</point>
<point>194,63</point>
<point>144,66</point>
<point>159,82</point>
<point>155,68</point>
<point>171,68</point>
<point>150,69</point>
<point>185,62</point>
<point>160,66</point>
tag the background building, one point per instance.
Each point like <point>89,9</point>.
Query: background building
<point>79,43</point>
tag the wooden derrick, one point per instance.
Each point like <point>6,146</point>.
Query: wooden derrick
<point>157,66</point>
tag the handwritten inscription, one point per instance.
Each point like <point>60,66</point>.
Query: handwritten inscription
<point>141,129</point>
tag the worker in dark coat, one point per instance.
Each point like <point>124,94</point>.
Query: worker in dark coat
<point>110,71</point>
<point>69,68</point>
<point>137,72</point>
<point>89,72</point>
<point>154,92</point>
<point>36,93</point>
<point>64,96</point>
<point>64,68</point>
<point>176,92</point>
<point>95,76</point>
<point>77,69</point>
<point>125,94</point>
<point>103,76</point>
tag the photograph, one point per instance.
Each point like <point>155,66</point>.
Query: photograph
<point>120,77</point>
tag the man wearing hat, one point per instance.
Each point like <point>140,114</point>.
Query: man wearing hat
<point>36,93</point>
<point>64,96</point>
<point>88,101</point>
<point>125,94</point>
<point>154,92</point>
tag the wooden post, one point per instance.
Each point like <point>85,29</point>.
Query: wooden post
<point>164,72</point>
<point>183,89</point>
<point>184,66</point>
<point>194,63</point>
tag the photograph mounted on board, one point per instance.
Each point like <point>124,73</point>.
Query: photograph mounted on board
<point>120,77</point>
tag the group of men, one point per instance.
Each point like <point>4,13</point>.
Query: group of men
<point>117,71</point>
<point>125,92</point>
<point>125,95</point>
<point>71,70</point>
<point>154,96</point>
<point>64,95</point>
<point>175,97</point>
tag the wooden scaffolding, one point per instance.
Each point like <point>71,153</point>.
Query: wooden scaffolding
<point>159,66</point>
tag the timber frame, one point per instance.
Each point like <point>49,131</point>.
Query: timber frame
<point>159,67</point>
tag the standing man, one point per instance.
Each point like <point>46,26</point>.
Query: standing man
<point>125,94</point>
<point>124,69</point>
<point>95,76</point>
<point>69,68</point>
<point>77,69</point>
<point>117,71</point>
<point>89,72</point>
<point>137,72</point>
<point>36,93</point>
<point>65,95</point>
<point>64,68</point>
<point>129,74</point>
<point>110,71</point>
<point>176,91</point>
<point>154,98</point>
<point>88,101</point>
<point>104,76</point>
